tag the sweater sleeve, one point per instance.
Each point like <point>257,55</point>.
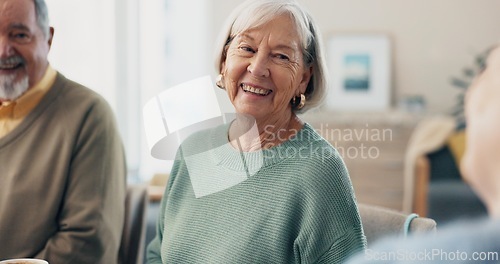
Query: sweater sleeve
<point>331,229</point>
<point>90,219</point>
<point>153,253</point>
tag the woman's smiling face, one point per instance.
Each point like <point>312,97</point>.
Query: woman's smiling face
<point>264,69</point>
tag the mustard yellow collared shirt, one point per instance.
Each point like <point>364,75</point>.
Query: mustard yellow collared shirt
<point>12,113</point>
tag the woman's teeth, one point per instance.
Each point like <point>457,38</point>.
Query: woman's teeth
<point>254,90</point>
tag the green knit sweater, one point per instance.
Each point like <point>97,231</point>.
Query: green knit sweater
<point>293,203</point>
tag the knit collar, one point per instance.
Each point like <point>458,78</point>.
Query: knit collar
<point>251,162</point>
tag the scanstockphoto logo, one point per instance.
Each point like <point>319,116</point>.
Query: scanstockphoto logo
<point>180,111</point>
<point>434,255</point>
<point>174,114</point>
<point>356,143</point>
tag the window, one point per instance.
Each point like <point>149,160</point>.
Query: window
<point>129,51</point>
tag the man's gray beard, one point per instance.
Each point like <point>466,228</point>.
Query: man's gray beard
<point>11,90</point>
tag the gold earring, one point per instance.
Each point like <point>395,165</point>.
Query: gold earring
<point>302,102</point>
<point>220,81</point>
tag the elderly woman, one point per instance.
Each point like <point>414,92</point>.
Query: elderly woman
<point>265,188</point>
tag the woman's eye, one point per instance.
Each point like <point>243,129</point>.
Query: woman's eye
<point>248,49</point>
<point>282,57</point>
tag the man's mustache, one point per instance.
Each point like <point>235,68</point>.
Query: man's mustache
<point>11,62</point>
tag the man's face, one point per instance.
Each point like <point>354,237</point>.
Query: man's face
<point>23,48</point>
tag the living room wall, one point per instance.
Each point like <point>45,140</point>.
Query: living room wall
<point>431,40</point>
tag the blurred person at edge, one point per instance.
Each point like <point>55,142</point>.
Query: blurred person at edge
<point>295,203</point>
<point>470,241</point>
<point>62,166</point>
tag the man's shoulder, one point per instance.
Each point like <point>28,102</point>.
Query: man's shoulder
<point>73,95</point>
<point>72,89</point>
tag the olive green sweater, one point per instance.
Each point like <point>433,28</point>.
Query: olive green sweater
<point>293,203</point>
<point>62,180</point>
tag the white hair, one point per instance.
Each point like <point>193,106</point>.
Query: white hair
<point>42,16</point>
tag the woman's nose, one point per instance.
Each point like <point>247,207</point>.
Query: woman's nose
<point>259,65</point>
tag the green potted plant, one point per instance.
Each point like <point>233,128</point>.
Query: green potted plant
<point>463,82</point>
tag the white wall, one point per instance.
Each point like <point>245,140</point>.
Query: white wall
<point>173,49</point>
<point>95,43</point>
<point>85,52</point>
<point>432,39</point>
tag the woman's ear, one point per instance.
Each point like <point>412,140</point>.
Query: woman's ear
<point>223,59</point>
<point>222,67</point>
<point>306,77</point>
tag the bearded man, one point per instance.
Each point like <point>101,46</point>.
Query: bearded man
<point>62,166</point>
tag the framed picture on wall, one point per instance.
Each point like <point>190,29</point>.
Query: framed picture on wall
<point>360,72</point>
